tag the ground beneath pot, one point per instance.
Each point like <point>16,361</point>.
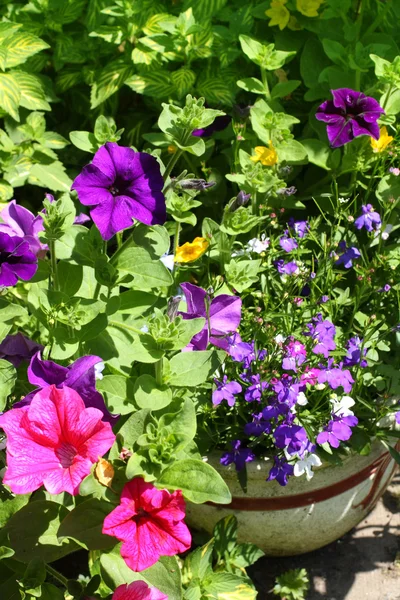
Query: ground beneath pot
<point>363,565</point>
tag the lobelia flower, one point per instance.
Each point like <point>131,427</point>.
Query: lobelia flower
<point>168,261</point>
<point>383,142</point>
<point>80,376</point>
<point>288,191</point>
<point>353,356</point>
<point>349,254</point>
<point>349,115</point>
<point>287,243</point>
<point>287,390</point>
<point>226,390</point>
<point>305,465</point>
<point>17,261</point>
<point>296,354</point>
<point>122,185</point>
<point>397,417</point>
<point>322,333</point>
<point>342,407</point>
<point>394,171</point>
<point>266,156</point>
<point>223,314</point>
<point>281,471</point>
<point>369,218</point>
<point>258,245</point>
<point>238,349</point>
<point>257,426</point>
<point>289,268</point>
<point>219,124</point>
<point>20,222</point>
<point>278,14</point>
<point>18,348</point>
<point>310,375</point>
<point>292,437</point>
<point>255,390</point>
<point>385,288</point>
<point>338,430</point>
<point>300,227</point>
<point>336,376</point>
<point>54,441</point>
<point>238,456</point>
<point>191,251</point>
<point>149,523</point>
<point>138,590</point>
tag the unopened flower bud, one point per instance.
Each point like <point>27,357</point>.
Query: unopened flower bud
<point>241,200</point>
<point>172,308</point>
<point>196,184</point>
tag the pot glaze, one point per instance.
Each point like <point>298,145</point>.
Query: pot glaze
<point>304,515</point>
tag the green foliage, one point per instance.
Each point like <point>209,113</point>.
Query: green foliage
<point>292,585</point>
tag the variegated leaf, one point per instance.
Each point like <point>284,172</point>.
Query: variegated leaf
<point>183,80</point>
<point>109,80</point>
<point>21,46</point>
<point>10,95</point>
<point>157,84</point>
<point>32,93</point>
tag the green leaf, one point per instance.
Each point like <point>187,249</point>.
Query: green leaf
<point>198,564</point>
<point>84,525</point>
<point>154,238</point>
<point>183,80</point>
<point>70,277</point>
<point>165,575</point>
<point>84,140</point>
<point>8,376</point>
<point>318,153</point>
<point>284,88</point>
<point>10,504</point>
<point>198,481</point>
<point>54,140</point>
<point>21,46</point>
<point>148,394</point>
<point>33,532</point>
<point>109,80</point>
<point>147,273</point>
<point>134,427</point>
<point>33,96</point>
<point>217,85</point>
<point>182,422</point>
<point>51,176</point>
<point>6,552</point>
<point>6,191</point>
<point>230,587</point>
<point>118,393</point>
<point>252,84</point>
<point>10,95</point>
<point>155,83</point>
<point>136,303</point>
<point>190,369</point>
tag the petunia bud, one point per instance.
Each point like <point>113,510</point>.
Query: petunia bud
<point>241,200</point>
<point>104,472</point>
<point>172,309</point>
<point>196,184</point>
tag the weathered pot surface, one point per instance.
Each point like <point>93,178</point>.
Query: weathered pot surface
<point>304,515</point>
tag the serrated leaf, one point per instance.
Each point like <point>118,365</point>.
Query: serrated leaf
<point>108,81</point>
<point>205,9</point>
<point>10,95</point>
<point>68,78</point>
<point>156,83</point>
<point>21,46</point>
<point>51,176</point>
<point>183,80</point>
<point>217,86</point>
<point>32,92</point>
<point>51,139</point>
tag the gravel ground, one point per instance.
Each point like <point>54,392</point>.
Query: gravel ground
<point>363,565</point>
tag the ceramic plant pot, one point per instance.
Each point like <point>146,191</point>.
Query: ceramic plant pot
<point>304,515</point>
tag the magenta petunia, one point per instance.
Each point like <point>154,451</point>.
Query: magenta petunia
<point>121,185</point>
<point>150,524</point>
<point>17,261</point>
<point>138,590</point>
<point>53,442</point>
<point>349,115</point>
<point>20,222</point>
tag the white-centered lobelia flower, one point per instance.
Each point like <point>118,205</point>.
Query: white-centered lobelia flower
<point>168,261</point>
<point>279,339</point>
<point>341,407</point>
<point>304,465</point>
<point>144,329</point>
<point>301,399</point>
<point>98,370</point>
<point>258,245</point>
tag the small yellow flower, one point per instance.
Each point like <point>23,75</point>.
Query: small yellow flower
<point>383,142</point>
<point>266,156</point>
<point>104,472</point>
<point>308,8</point>
<point>279,14</point>
<point>191,251</point>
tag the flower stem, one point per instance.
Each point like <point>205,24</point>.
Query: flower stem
<point>122,247</point>
<point>53,259</point>
<point>57,576</point>
<point>265,83</point>
<point>158,367</point>
<point>172,162</point>
<point>176,237</point>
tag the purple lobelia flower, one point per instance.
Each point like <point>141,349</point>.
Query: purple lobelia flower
<point>17,261</point>
<point>369,218</point>
<point>291,436</point>
<point>256,388</point>
<point>336,376</point>
<point>300,227</point>
<point>349,115</point>
<point>238,349</point>
<point>257,426</point>
<point>289,268</point>
<point>349,254</point>
<point>239,456</point>
<point>353,356</point>
<point>338,430</point>
<point>223,313</point>
<point>218,124</point>
<point>281,471</point>
<point>226,390</point>
<point>323,333</point>
<point>80,376</point>
<point>122,185</point>
<point>20,222</point>
<point>295,355</point>
<point>287,243</point>
<point>287,389</point>
<point>17,348</point>
<point>397,417</point>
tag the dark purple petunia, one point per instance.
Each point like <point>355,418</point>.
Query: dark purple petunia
<point>17,261</point>
<point>349,254</point>
<point>223,313</point>
<point>257,426</point>
<point>349,115</point>
<point>338,430</point>
<point>20,222</point>
<point>281,471</point>
<point>79,376</point>
<point>239,456</point>
<point>122,185</point>
<point>226,390</point>
<point>17,348</point>
<point>218,124</point>
<point>353,356</point>
<point>369,218</point>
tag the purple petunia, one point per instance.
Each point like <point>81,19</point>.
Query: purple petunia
<point>369,218</point>
<point>348,255</point>
<point>122,185</point>
<point>287,243</point>
<point>223,314</point>
<point>281,471</point>
<point>226,390</point>
<point>323,333</point>
<point>17,261</point>
<point>353,356</point>
<point>239,456</point>
<point>20,222</point>
<point>219,124</point>
<point>80,376</point>
<point>349,115</point>
<point>17,348</point>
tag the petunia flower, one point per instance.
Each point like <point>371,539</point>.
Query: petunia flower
<point>191,251</point>
<point>369,218</point>
<point>222,316</point>
<point>17,348</point>
<point>81,376</point>
<point>219,124</point>
<point>383,142</point>
<point>226,390</point>
<point>238,456</point>
<point>20,222</point>
<point>349,115</point>
<point>17,261</point>
<point>53,442</point>
<point>122,185</point>
<point>266,156</point>
<point>138,590</point>
<point>149,523</point>
<point>278,14</point>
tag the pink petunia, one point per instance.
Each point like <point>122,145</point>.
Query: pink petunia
<point>138,590</point>
<point>150,524</point>
<point>53,441</point>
